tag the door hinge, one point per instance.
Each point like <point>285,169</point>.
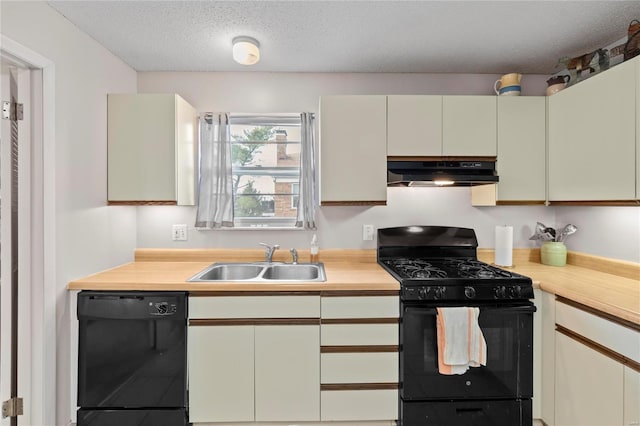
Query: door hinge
<point>12,111</point>
<point>12,407</point>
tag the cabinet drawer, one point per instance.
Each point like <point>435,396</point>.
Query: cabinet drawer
<point>359,405</point>
<point>358,334</point>
<point>360,307</point>
<point>618,338</point>
<point>381,367</point>
<point>254,307</point>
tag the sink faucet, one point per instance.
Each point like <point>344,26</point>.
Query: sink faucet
<point>294,255</point>
<point>268,253</point>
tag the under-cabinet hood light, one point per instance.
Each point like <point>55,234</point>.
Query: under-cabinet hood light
<point>430,173</point>
<point>246,50</point>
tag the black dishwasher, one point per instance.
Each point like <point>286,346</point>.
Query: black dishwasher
<point>132,358</point>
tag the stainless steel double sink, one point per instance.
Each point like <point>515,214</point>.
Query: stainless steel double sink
<point>261,272</point>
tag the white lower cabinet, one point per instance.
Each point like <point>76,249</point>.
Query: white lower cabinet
<point>254,369</point>
<point>547,359</point>
<point>631,397</point>
<point>353,405</point>
<point>589,386</point>
<point>287,361</point>
<point>221,373</point>
<point>596,377</point>
<point>368,367</point>
<point>359,334</point>
<point>537,354</point>
<point>297,358</point>
<point>359,358</point>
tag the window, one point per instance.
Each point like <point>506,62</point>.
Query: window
<point>265,169</point>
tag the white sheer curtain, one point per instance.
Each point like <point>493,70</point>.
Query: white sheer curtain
<point>215,186</point>
<point>308,197</point>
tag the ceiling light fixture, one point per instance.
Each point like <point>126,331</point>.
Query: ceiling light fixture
<point>246,50</point>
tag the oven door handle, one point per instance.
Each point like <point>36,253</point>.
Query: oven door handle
<point>503,309</point>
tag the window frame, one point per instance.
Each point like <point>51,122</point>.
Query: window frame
<point>280,121</point>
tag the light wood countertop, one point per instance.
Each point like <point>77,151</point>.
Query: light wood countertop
<point>346,270</point>
<point>609,286</point>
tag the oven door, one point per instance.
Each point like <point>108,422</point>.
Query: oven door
<point>508,332</point>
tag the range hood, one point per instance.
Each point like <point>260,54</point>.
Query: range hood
<point>441,173</point>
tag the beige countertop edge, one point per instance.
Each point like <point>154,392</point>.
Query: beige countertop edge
<point>357,271</point>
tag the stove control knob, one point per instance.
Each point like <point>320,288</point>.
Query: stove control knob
<point>515,291</point>
<point>470,292</point>
<point>500,292</point>
<point>439,292</point>
<point>423,292</point>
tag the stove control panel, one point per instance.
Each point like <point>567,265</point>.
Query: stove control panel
<point>469,292</point>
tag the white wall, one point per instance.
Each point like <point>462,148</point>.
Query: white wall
<point>341,227</point>
<point>89,235</point>
<point>603,231</point>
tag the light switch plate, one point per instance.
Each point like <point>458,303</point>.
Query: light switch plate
<point>367,232</point>
<point>179,232</point>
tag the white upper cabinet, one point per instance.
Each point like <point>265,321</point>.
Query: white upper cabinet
<point>469,126</point>
<point>414,125</point>
<point>592,138</point>
<point>428,126</point>
<point>151,149</point>
<point>353,150</point>
<point>521,148</point>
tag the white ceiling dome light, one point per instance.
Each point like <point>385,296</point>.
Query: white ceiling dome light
<point>246,50</point>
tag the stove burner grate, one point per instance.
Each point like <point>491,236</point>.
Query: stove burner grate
<point>416,268</point>
<point>445,268</point>
<point>470,268</point>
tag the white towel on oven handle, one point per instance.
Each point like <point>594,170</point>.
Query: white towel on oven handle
<point>462,340</point>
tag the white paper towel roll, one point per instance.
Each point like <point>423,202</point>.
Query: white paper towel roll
<point>504,245</point>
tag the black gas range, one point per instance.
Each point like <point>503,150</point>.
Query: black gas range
<point>437,267</point>
<point>440,263</point>
<point>456,279</point>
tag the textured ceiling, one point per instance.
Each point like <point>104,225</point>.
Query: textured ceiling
<point>353,36</point>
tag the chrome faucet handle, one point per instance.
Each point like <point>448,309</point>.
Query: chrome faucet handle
<point>268,253</point>
<point>294,255</point>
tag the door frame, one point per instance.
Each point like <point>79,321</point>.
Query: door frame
<point>37,312</point>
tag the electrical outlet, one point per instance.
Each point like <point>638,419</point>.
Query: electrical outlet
<point>179,232</point>
<point>367,232</point>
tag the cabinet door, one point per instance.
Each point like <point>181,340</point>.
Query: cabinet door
<point>631,397</point>
<point>469,126</point>
<point>521,148</point>
<point>360,405</point>
<point>287,375</point>
<point>589,386</point>
<point>592,143</point>
<point>547,316</point>
<point>353,150</point>
<point>414,125</point>
<point>151,149</point>
<point>221,373</point>
<point>537,355</point>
